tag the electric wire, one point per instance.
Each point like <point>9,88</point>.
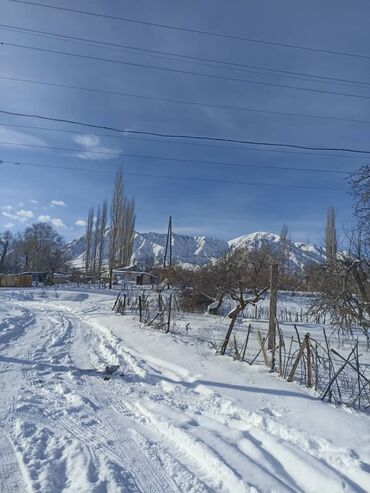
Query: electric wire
<point>184,136</point>
<point>181,102</point>
<point>234,65</point>
<point>182,72</point>
<point>197,31</point>
<point>182,178</point>
<point>199,162</point>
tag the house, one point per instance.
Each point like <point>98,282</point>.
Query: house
<point>133,274</point>
<point>45,277</point>
<point>37,277</point>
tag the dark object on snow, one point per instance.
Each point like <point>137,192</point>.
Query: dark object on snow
<point>109,371</point>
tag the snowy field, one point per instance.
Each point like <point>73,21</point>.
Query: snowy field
<point>174,418</point>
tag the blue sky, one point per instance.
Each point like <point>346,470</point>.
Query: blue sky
<point>215,208</point>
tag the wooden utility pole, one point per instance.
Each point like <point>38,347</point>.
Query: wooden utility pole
<point>168,250</point>
<point>274,277</point>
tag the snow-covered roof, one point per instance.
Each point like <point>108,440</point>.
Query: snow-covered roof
<point>131,269</point>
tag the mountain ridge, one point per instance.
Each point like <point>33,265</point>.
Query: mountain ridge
<point>190,250</point>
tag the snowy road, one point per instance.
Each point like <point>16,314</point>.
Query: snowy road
<point>156,427</point>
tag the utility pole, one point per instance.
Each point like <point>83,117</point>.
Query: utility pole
<point>168,250</point>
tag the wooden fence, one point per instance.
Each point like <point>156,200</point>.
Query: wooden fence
<point>156,311</point>
<point>335,372</point>
<point>11,281</point>
<point>337,375</point>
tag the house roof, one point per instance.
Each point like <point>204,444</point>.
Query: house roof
<point>30,273</point>
<point>35,272</point>
<point>131,269</point>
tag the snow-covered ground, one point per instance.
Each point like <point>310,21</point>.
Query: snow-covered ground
<point>174,418</point>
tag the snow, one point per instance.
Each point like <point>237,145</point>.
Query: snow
<point>174,418</point>
<point>200,250</point>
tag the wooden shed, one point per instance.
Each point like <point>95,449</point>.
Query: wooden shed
<point>133,274</point>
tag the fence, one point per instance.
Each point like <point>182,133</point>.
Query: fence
<point>336,375</point>
<point>334,371</point>
<point>12,281</point>
<point>157,311</point>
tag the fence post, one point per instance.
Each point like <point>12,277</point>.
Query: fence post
<point>263,349</point>
<point>169,314</point>
<point>140,309</point>
<point>309,360</point>
<point>274,275</point>
<point>246,342</point>
<point>295,364</point>
<point>116,302</point>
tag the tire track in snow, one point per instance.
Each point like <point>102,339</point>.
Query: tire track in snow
<point>260,432</point>
<point>108,395</point>
<point>319,452</point>
<point>11,478</point>
<point>97,434</point>
<point>198,456</point>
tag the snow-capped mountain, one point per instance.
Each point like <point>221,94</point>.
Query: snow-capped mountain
<point>150,247</point>
<point>199,250</point>
<point>299,254</point>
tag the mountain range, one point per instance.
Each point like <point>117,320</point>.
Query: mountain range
<point>199,250</point>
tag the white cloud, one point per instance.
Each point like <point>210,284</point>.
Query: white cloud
<point>87,140</point>
<point>80,222</point>
<point>7,207</point>
<point>21,204</point>
<point>58,203</point>
<point>15,138</point>
<point>9,215</point>
<point>35,202</point>
<point>9,225</point>
<point>23,214</point>
<point>58,223</point>
<point>55,221</point>
<point>44,219</point>
<point>93,148</point>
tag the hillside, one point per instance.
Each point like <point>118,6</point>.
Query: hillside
<point>199,250</point>
<point>300,254</point>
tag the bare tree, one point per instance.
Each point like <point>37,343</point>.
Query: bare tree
<point>101,237</point>
<point>246,273</point>
<point>331,237</point>
<point>283,253</point>
<point>122,226</point>
<point>344,283</point>
<point>95,242</point>
<point>116,211</point>
<point>344,289</point>
<point>128,231</point>
<point>360,185</point>
<point>5,242</point>
<point>89,239</point>
<point>43,249</point>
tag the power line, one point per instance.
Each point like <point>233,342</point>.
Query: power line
<point>197,31</point>
<point>237,66</point>
<point>181,102</point>
<point>182,178</point>
<point>185,136</point>
<point>197,144</point>
<point>183,72</point>
<point>199,162</point>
